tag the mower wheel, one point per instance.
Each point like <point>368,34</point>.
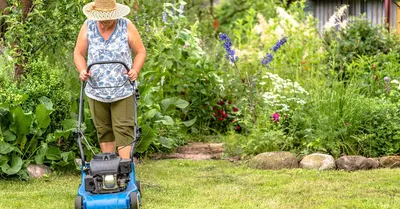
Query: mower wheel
<point>78,202</point>
<point>139,187</point>
<point>134,200</point>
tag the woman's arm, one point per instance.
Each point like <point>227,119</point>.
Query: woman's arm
<point>136,44</point>
<point>80,53</point>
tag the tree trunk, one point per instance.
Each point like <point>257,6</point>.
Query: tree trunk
<point>3,27</point>
<point>19,68</point>
<point>26,8</point>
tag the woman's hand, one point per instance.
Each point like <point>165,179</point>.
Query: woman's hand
<point>84,75</point>
<point>132,74</point>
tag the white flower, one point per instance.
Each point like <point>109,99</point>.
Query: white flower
<point>286,16</point>
<point>335,19</point>
<point>279,32</point>
<point>262,25</point>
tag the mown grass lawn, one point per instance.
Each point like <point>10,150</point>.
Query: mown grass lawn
<point>186,184</point>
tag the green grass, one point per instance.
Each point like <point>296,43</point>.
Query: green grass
<point>219,184</point>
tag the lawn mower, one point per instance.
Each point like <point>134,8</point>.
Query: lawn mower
<point>108,181</point>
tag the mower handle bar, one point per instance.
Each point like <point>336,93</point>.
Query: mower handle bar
<point>80,115</point>
<point>108,62</point>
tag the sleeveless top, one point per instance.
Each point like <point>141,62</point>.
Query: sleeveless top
<point>108,82</point>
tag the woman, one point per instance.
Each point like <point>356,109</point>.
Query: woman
<point>107,36</point>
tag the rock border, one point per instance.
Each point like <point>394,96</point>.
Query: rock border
<point>320,161</point>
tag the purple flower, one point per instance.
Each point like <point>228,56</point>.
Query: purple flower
<point>164,17</point>
<point>147,26</point>
<point>279,44</point>
<point>275,117</point>
<point>386,79</point>
<point>267,59</point>
<point>182,7</point>
<point>227,45</point>
<point>136,19</point>
<point>222,36</point>
<point>269,56</point>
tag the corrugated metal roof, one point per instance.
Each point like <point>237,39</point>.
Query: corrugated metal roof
<point>374,10</point>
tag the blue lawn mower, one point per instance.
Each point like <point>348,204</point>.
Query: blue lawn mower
<point>108,181</point>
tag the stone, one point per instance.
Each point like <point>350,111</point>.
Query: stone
<point>38,171</point>
<point>390,162</point>
<point>274,161</point>
<point>352,163</point>
<point>375,163</point>
<point>318,161</point>
<point>194,151</point>
<point>78,161</point>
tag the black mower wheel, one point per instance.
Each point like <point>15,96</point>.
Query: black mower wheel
<point>78,202</point>
<point>134,200</point>
<point>139,187</point>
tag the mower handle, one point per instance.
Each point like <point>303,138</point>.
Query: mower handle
<point>108,62</point>
<point>80,115</point>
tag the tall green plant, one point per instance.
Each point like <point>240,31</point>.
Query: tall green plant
<point>23,139</point>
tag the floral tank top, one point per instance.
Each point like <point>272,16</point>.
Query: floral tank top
<point>108,82</point>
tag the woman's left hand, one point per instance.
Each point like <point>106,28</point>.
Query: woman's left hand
<point>132,74</point>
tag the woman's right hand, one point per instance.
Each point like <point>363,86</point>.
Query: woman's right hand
<point>84,75</point>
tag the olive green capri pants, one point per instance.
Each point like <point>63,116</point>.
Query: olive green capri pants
<point>113,121</point>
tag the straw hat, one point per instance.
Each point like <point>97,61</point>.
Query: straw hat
<point>105,10</point>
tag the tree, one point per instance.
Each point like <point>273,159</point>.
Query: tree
<point>30,28</point>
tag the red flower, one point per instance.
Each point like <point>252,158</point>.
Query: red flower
<point>229,102</point>
<point>225,115</point>
<point>221,102</point>
<point>216,23</point>
<point>221,118</point>
<point>220,112</point>
<point>238,128</point>
<point>235,109</point>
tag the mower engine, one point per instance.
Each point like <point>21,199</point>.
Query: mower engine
<point>107,173</point>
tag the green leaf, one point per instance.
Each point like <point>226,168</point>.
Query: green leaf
<point>146,139</point>
<point>23,142</point>
<point>33,145</point>
<point>42,116</point>
<point>181,103</point>
<point>53,153</point>
<point>190,122</point>
<point>174,101</point>
<point>39,158</point>
<point>70,125</point>
<point>9,136</point>
<point>47,103</point>
<point>165,142</point>
<point>167,120</point>
<point>3,159</point>
<point>21,122</point>
<point>6,148</point>
<point>56,135</point>
<point>67,156</point>
<point>4,109</point>
<point>14,167</point>
<point>62,163</point>
<point>166,103</point>
<point>150,114</point>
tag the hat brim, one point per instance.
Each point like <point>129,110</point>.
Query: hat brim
<point>121,11</point>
